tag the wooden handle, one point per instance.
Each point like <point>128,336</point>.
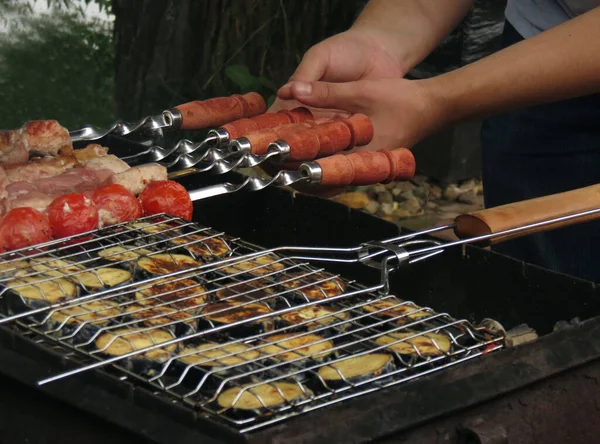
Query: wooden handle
<point>241,127</point>
<point>260,140</point>
<point>367,168</point>
<point>515,215</point>
<point>330,138</point>
<point>219,111</point>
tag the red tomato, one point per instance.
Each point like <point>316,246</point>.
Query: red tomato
<point>72,214</point>
<point>116,204</point>
<point>166,196</point>
<point>24,227</point>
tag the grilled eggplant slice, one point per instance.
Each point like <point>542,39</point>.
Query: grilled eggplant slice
<point>121,341</point>
<point>260,399</point>
<point>246,292</point>
<point>409,312</point>
<point>181,322</point>
<point>312,347</point>
<point>230,312</point>
<point>14,268</point>
<point>322,290</point>
<point>81,322</point>
<point>160,264</point>
<point>95,279</point>
<point>125,256</point>
<point>258,266</point>
<point>179,293</point>
<point>330,316</point>
<point>356,369</point>
<point>203,246</point>
<point>38,291</point>
<point>431,344</point>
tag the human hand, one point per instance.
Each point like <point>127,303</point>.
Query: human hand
<point>403,112</point>
<point>357,54</point>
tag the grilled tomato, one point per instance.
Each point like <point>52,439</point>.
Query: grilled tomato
<point>72,214</point>
<point>166,196</point>
<point>24,227</point>
<point>116,204</point>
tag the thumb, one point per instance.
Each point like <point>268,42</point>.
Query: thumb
<point>348,96</point>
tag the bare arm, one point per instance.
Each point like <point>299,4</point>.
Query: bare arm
<point>561,63</point>
<point>411,29</point>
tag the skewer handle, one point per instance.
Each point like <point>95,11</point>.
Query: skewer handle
<point>259,140</point>
<point>219,111</point>
<point>527,212</point>
<point>330,138</point>
<point>366,168</point>
<point>242,127</point>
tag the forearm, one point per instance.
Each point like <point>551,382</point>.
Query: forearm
<point>561,63</point>
<point>411,29</point>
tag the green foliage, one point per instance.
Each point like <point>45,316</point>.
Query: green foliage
<point>57,67</point>
<point>240,75</point>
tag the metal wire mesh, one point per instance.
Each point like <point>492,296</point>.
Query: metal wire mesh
<point>217,324</point>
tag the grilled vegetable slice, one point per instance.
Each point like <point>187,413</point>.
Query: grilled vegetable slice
<point>180,293</point>
<point>392,309</point>
<point>122,254</point>
<point>264,395</point>
<point>126,340</point>
<point>54,267</point>
<point>245,292</point>
<point>312,346</point>
<point>332,287</point>
<point>102,277</point>
<point>15,268</point>
<point>94,313</point>
<point>154,228</point>
<point>203,246</point>
<point>166,263</point>
<point>357,368</point>
<point>258,266</point>
<point>229,312</point>
<point>40,289</point>
<point>159,316</point>
<point>314,312</point>
<point>206,355</point>
<point>424,344</point>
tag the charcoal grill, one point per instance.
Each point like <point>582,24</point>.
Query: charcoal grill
<point>468,283</point>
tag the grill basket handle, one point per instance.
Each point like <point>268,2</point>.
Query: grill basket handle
<point>367,168</point>
<point>211,113</point>
<point>532,211</point>
<point>241,127</point>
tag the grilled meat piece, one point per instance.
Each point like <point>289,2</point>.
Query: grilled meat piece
<point>45,137</point>
<point>12,148</point>
<point>108,162</point>
<point>33,199</point>
<point>135,179</point>
<point>90,152</point>
<point>40,168</point>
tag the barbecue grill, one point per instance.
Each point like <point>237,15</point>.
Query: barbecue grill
<point>497,315</point>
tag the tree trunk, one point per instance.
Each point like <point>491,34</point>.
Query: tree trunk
<point>172,51</point>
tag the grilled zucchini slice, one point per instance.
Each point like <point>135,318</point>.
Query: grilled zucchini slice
<point>322,290</point>
<point>357,368</point>
<point>203,246</point>
<point>392,309</point>
<point>126,340</point>
<point>39,289</point>
<point>430,344</point>
<point>95,313</point>
<point>55,267</point>
<point>244,292</point>
<point>222,356</point>
<point>180,293</point>
<point>314,312</point>
<point>312,346</point>
<point>258,266</point>
<point>102,277</point>
<point>159,316</point>
<point>160,264</point>
<point>122,254</point>
<point>268,394</point>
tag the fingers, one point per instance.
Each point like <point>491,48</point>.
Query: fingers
<point>349,96</point>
